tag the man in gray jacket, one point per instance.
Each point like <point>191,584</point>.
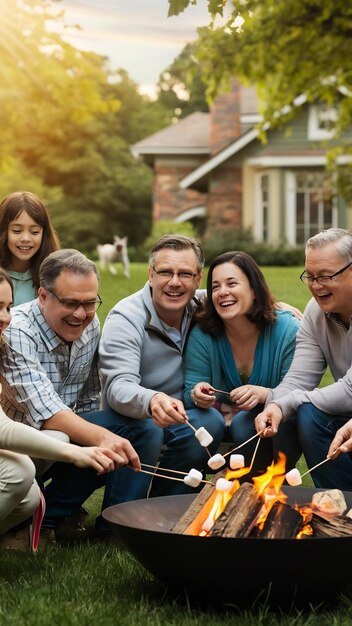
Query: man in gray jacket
<point>324,340</point>
<point>141,350</point>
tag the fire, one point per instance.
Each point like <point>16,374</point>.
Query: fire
<point>268,487</point>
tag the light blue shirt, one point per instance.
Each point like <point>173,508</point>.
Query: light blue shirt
<point>23,288</point>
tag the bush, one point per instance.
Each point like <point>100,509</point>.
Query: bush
<point>221,240</point>
<point>160,228</point>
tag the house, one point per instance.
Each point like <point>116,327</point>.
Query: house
<point>214,166</point>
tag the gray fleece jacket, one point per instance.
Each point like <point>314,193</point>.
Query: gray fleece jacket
<point>322,341</point>
<point>137,357</point>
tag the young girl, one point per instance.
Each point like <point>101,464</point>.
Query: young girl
<point>26,238</point>
<point>19,492</point>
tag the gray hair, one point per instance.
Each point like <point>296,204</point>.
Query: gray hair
<point>178,242</point>
<point>68,260</point>
<point>341,237</point>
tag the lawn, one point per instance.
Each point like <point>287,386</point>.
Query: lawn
<point>90,584</point>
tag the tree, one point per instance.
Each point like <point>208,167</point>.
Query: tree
<point>181,89</point>
<point>286,49</point>
<point>67,122</point>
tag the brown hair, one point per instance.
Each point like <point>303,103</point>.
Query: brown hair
<point>263,310</point>
<point>5,278</point>
<point>10,208</point>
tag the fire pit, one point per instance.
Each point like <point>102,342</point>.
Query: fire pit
<point>237,570</point>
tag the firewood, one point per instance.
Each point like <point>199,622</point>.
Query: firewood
<point>283,522</point>
<point>240,514</point>
<point>337,526</point>
<point>196,507</point>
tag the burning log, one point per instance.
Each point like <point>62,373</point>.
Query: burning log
<point>188,524</point>
<point>240,514</point>
<point>282,522</point>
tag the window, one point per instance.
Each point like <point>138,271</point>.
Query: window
<point>314,205</point>
<point>322,120</point>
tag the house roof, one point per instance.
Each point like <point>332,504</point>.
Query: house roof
<point>190,135</point>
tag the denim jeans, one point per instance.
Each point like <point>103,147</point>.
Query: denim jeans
<point>242,428</point>
<point>316,431</point>
<point>176,445</point>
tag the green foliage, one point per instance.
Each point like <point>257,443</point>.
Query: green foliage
<point>67,122</point>
<point>222,240</point>
<point>285,49</point>
<point>181,89</point>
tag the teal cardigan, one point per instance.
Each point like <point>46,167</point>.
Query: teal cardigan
<point>210,359</point>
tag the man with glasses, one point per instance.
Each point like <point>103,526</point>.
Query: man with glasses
<point>50,363</point>
<point>141,350</point>
<point>324,340</point>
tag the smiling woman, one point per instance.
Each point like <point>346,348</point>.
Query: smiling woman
<point>242,345</point>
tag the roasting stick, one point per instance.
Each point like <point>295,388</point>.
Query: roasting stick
<point>208,482</point>
<point>315,466</point>
<point>164,469</point>
<point>244,442</point>
<point>254,453</point>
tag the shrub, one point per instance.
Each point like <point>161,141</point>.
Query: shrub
<point>160,228</point>
<point>221,240</point>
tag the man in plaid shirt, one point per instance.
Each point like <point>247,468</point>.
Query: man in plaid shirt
<point>51,381</point>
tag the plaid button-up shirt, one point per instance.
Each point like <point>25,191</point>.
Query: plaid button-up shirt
<point>43,374</point>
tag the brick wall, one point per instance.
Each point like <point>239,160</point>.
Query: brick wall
<point>225,118</point>
<point>168,199</point>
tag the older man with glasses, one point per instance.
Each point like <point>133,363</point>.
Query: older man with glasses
<point>51,379</point>
<point>324,340</point>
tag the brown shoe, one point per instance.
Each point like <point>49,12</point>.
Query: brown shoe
<point>15,539</point>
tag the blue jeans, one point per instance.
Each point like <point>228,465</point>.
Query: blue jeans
<point>316,431</point>
<point>177,444</point>
<point>242,428</point>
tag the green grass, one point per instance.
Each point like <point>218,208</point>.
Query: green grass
<point>91,584</point>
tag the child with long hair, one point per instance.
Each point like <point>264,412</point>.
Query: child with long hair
<point>27,236</point>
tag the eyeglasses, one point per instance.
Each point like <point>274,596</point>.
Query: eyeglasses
<point>168,275</point>
<point>322,280</point>
<point>72,305</point>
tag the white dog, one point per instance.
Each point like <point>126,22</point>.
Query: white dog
<point>110,252</point>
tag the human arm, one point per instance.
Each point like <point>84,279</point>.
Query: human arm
<point>83,432</point>
<point>26,440</point>
<point>202,370</point>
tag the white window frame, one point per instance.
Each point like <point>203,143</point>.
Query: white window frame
<point>316,113</point>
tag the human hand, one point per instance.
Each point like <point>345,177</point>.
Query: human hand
<point>203,395</point>
<point>166,410</point>
<point>123,451</point>
<point>283,306</point>
<point>247,397</point>
<point>269,420</point>
<point>342,442</point>
<point>102,460</point>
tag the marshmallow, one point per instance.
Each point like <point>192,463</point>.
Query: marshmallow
<point>293,477</point>
<point>236,461</point>
<point>216,461</point>
<point>193,478</point>
<point>223,485</point>
<point>203,437</point>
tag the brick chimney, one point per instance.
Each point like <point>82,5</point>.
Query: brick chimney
<point>225,118</point>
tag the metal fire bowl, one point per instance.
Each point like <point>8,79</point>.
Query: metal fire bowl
<point>281,572</point>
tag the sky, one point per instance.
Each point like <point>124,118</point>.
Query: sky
<point>136,35</point>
